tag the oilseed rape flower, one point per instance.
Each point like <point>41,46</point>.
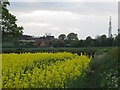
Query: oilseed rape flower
<point>42,70</point>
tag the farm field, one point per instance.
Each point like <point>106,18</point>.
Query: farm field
<point>61,69</point>
<point>42,70</point>
<point>59,45</point>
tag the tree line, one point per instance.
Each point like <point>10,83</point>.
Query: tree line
<point>71,40</point>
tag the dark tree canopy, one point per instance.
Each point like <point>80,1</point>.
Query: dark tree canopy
<point>73,41</point>
<point>72,36</point>
<point>62,37</point>
<point>10,29</point>
<point>88,41</point>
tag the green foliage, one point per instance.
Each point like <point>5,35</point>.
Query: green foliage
<point>103,71</point>
<point>62,37</point>
<point>88,42</point>
<point>72,36</point>
<point>7,44</point>
<point>73,50</point>
<point>110,73</point>
<point>58,43</point>
<point>74,43</point>
<point>10,29</point>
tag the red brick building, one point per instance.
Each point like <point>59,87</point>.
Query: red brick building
<point>44,41</point>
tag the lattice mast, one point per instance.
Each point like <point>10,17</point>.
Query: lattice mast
<point>110,29</point>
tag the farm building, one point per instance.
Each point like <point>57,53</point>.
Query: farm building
<point>36,42</point>
<point>44,41</point>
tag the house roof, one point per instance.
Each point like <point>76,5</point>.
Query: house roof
<point>27,41</point>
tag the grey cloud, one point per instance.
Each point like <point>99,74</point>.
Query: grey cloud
<point>83,18</point>
<point>75,7</point>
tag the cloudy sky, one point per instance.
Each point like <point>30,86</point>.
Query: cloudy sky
<point>83,18</point>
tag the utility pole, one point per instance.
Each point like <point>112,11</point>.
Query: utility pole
<point>118,31</point>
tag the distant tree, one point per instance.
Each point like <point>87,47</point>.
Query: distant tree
<point>88,41</point>
<point>116,41</point>
<point>61,43</point>
<point>53,43</point>
<point>47,34</point>
<point>97,37</point>
<point>62,37</point>
<point>10,29</point>
<point>103,37</point>
<point>102,40</point>
<point>58,43</point>
<point>74,43</point>
<point>81,43</point>
<point>96,42</point>
<point>109,41</point>
<point>72,36</point>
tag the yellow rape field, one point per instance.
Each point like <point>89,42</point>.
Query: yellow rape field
<point>42,70</point>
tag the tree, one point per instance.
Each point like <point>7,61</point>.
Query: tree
<point>10,29</point>
<point>89,41</point>
<point>102,40</point>
<point>58,43</point>
<point>116,41</point>
<point>62,37</point>
<point>72,36</point>
<point>74,43</point>
<point>81,43</point>
<point>109,41</point>
<point>96,43</point>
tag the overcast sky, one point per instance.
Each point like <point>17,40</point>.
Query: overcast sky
<point>83,18</point>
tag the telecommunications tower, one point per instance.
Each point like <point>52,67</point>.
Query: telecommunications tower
<point>110,29</point>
